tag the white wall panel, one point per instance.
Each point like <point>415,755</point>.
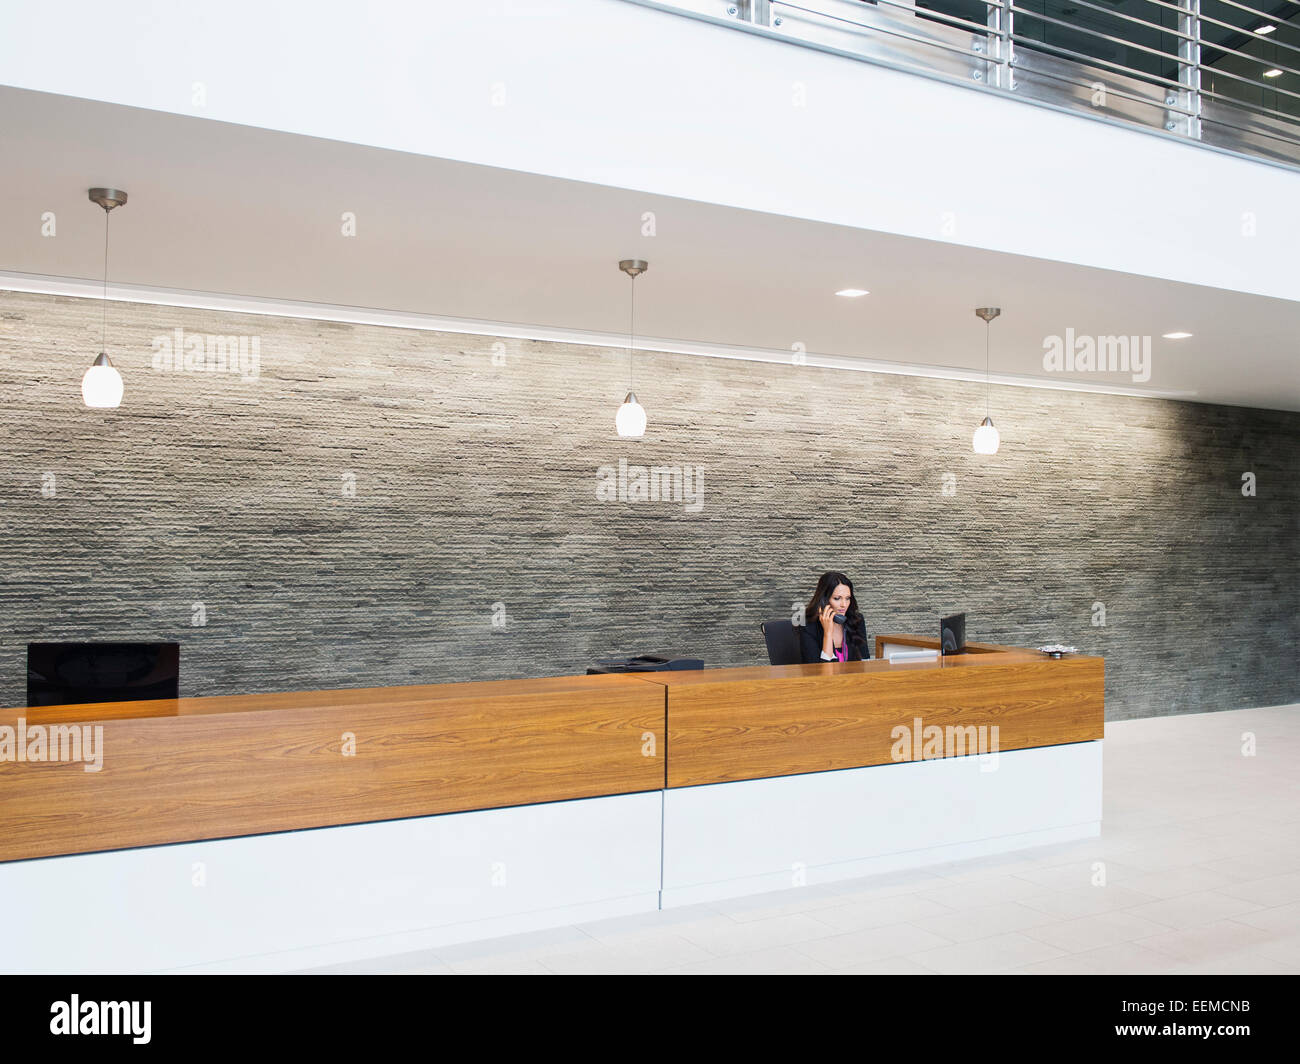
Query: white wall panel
<point>299,899</point>
<point>728,839</point>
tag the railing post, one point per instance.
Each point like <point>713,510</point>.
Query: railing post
<point>1189,68</point>
<point>1001,70</point>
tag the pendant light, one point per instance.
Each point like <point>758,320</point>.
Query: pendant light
<point>101,387</point>
<point>986,436</point>
<point>630,419</point>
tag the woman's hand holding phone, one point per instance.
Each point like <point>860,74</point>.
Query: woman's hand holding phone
<point>827,620</point>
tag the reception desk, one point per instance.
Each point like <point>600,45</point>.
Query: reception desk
<point>209,768</point>
<point>753,723</point>
<point>781,776</point>
<point>274,832</point>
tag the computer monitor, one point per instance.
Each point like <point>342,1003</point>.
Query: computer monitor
<point>952,634</point>
<point>61,674</point>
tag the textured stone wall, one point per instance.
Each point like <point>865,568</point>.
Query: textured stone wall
<point>386,506</point>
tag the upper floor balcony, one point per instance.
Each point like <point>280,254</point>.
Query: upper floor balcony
<point>883,121</point>
<point>1222,73</point>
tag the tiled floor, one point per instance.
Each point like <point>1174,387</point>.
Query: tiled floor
<point>1200,849</point>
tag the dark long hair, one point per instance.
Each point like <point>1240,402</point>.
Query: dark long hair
<point>855,626</point>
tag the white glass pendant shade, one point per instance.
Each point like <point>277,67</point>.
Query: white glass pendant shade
<point>986,438</point>
<point>101,387</point>
<point>630,419</point>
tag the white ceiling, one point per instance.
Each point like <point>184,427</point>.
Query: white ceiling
<point>217,208</point>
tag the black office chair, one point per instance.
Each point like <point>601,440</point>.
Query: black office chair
<point>783,643</point>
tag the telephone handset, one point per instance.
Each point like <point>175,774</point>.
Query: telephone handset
<point>838,618</point>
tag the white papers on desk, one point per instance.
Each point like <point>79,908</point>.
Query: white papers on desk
<point>919,654</point>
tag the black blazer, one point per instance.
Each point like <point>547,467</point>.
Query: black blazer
<point>811,642</point>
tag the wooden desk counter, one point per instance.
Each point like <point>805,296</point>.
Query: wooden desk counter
<point>206,768</point>
<point>218,767</point>
<point>503,758</point>
<point>751,723</point>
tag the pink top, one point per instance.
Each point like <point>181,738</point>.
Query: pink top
<point>841,652</point>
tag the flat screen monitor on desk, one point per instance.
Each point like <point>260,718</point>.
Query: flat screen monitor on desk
<point>952,634</point>
<point>61,674</point>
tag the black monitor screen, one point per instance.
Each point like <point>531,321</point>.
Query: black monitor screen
<point>952,634</point>
<point>61,674</point>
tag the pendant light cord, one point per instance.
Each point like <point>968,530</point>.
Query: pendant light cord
<point>103,336</point>
<point>986,368</point>
<point>631,332</point>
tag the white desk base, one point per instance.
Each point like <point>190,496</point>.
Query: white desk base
<point>729,839</point>
<point>293,900</point>
<point>299,899</point>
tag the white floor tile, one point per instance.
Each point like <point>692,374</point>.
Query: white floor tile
<point>1085,901</point>
<point>1082,873</point>
<point>1274,890</point>
<point>995,865</point>
<point>1175,881</point>
<point>1281,919</point>
<point>780,960</point>
<point>1122,958</point>
<point>552,938</point>
<point>1193,910</point>
<point>984,921</point>
<point>1092,932</point>
<point>648,955</point>
<point>886,966</point>
<point>1247,962</point>
<point>877,912</point>
<point>501,964</point>
<point>1264,863</point>
<point>425,962</point>
<point>1206,942</point>
<point>994,954</point>
<point>856,947</point>
<point>981,892</point>
<point>1285,948</point>
<point>732,937</point>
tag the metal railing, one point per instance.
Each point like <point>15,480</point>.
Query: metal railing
<point>1221,72</point>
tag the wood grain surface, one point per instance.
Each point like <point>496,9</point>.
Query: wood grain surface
<point>739,724</point>
<point>242,765</point>
<point>204,768</point>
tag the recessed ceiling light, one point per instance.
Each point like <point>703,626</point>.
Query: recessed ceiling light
<point>853,293</point>
<point>1274,73</point>
<point>1175,336</point>
<point>1268,27</point>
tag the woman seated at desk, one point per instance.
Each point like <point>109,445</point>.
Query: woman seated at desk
<point>822,638</point>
